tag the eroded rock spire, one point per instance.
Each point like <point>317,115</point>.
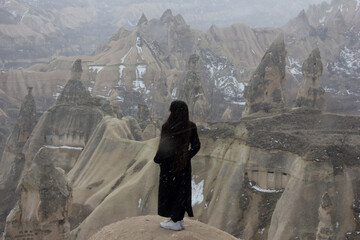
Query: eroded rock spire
<point>74,91</point>
<point>311,94</point>
<point>43,209</point>
<point>193,94</point>
<point>265,89</point>
<point>27,117</point>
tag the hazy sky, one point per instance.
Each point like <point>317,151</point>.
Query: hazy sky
<point>203,13</point>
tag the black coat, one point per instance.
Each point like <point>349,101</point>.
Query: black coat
<point>175,185</point>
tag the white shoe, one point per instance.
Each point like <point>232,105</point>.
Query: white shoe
<point>182,224</point>
<point>176,226</point>
<point>166,221</point>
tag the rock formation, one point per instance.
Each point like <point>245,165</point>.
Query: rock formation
<point>325,230</point>
<point>64,130</point>
<point>74,91</point>
<point>148,228</point>
<point>311,94</point>
<point>43,209</point>
<point>142,20</point>
<point>260,178</point>
<point>13,159</point>
<point>266,86</point>
<point>143,115</point>
<point>193,94</point>
<point>227,115</point>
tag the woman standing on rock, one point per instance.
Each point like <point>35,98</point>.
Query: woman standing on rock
<point>179,142</point>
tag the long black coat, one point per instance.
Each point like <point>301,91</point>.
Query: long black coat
<point>175,185</point>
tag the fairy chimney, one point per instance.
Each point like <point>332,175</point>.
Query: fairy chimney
<point>193,94</point>
<point>266,86</point>
<point>311,94</point>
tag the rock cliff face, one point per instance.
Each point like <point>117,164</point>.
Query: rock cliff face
<point>311,94</point>
<point>263,177</point>
<point>266,86</point>
<point>63,130</point>
<point>43,209</point>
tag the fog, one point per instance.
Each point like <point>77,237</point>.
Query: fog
<point>202,14</point>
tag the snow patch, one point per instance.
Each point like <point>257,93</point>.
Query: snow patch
<point>90,89</point>
<point>173,93</point>
<point>96,68</point>
<point>348,63</point>
<point>139,205</point>
<point>63,147</point>
<point>331,9</point>
<point>120,99</point>
<point>197,196</point>
<point>140,71</point>
<point>259,189</point>
<point>341,7</point>
<point>121,69</point>
<point>322,20</point>
<point>56,95</point>
<point>357,5</point>
<point>139,48</point>
<point>124,57</point>
<point>294,66</point>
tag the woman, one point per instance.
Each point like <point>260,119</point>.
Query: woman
<point>179,142</point>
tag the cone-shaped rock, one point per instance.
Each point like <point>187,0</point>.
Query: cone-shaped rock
<point>193,94</point>
<point>142,20</point>
<point>74,91</point>
<point>265,89</point>
<point>43,209</point>
<point>27,117</point>
<point>76,70</point>
<point>311,94</point>
<point>12,161</point>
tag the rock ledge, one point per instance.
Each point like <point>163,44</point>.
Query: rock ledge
<point>147,227</point>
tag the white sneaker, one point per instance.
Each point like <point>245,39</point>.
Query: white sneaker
<point>176,226</point>
<point>182,224</point>
<point>166,221</point>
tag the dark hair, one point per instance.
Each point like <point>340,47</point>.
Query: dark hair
<point>176,133</point>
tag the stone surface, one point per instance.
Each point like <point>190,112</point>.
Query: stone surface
<point>43,209</point>
<point>311,94</point>
<point>193,94</point>
<point>147,227</point>
<point>266,86</point>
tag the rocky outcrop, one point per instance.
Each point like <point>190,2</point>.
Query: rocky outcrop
<point>74,91</point>
<point>12,160</point>
<point>193,94</point>
<point>64,130</point>
<point>150,229</point>
<point>325,230</point>
<point>266,86</point>
<point>143,115</point>
<point>142,20</point>
<point>275,168</point>
<point>42,212</point>
<point>227,115</point>
<point>311,94</point>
